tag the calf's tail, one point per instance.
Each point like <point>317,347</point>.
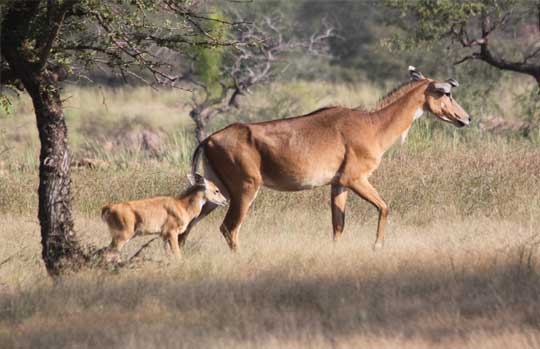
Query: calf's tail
<point>105,211</point>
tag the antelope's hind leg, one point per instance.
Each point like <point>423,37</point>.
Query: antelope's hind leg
<point>238,208</point>
<point>119,239</point>
<point>122,229</point>
<point>338,200</point>
<point>166,246</point>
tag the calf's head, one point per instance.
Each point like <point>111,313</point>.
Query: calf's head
<point>210,191</point>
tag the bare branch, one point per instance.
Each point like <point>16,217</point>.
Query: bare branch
<point>187,13</point>
<point>321,38</point>
<point>142,248</point>
<point>466,58</point>
<point>261,46</point>
<point>484,54</point>
<point>130,49</point>
<point>531,55</point>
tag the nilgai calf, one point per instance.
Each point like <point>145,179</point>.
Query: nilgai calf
<point>164,215</point>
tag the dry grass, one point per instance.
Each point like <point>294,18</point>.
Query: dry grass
<point>460,268</point>
<point>451,283</point>
<point>95,115</point>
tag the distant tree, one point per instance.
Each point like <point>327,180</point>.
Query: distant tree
<point>219,76</point>
<point>44,42</point>
<point>502,33</point>
<point>356,52</point>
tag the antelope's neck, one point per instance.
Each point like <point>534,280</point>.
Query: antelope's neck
<point>193,204</point>
<point>397,118</point>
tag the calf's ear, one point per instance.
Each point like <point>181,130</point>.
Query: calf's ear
<point>196,179</point>
<point>191,179</point>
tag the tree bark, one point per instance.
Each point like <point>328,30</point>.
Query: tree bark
<point>60,248</point>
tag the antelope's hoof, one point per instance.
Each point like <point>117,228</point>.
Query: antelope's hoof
<point>378,245</point>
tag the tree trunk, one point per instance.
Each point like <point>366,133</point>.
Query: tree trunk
<point>61,249</point>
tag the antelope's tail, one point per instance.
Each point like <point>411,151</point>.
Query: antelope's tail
<point>197,157</point>
<point>105,211</point>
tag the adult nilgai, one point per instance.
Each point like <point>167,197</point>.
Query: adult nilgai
<point>335,145</point>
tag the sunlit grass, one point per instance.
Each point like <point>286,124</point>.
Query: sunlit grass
<point>459,268</point>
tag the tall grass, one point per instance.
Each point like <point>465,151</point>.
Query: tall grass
<point>97,116</point>
<point>460,267</point>
<point>467,282</point>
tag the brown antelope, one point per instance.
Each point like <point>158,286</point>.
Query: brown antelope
<point>164,215</point>
<point>335,146</point>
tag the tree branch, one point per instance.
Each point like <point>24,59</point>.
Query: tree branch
<point>9,77</point>
<point>55,19</point>
<point>13,32</point>
<point>538,12</point>
<point>251,63</point>
<point>486,55</point>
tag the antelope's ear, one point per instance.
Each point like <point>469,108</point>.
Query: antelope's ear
<point>443,87</point>
<point>453,82</point>
<point>415,75</point>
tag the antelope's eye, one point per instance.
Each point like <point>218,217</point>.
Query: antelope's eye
<point>447,94</point>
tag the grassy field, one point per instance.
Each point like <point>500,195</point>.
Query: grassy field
<point>460,267</point>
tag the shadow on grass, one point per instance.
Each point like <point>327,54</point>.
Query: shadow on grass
<point>117,311</point>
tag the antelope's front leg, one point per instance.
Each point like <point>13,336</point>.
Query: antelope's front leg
<point>206,210</point>
<point>173,240</point>
<point>365,190</point>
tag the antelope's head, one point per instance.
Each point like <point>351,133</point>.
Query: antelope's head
<point>440,102</point>
<point>210,190</point>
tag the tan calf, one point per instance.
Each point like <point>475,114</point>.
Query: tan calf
<point>164,215</point>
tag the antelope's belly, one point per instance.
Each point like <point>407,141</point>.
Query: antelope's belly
<point>152,224</point>
<point>294,182</point>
